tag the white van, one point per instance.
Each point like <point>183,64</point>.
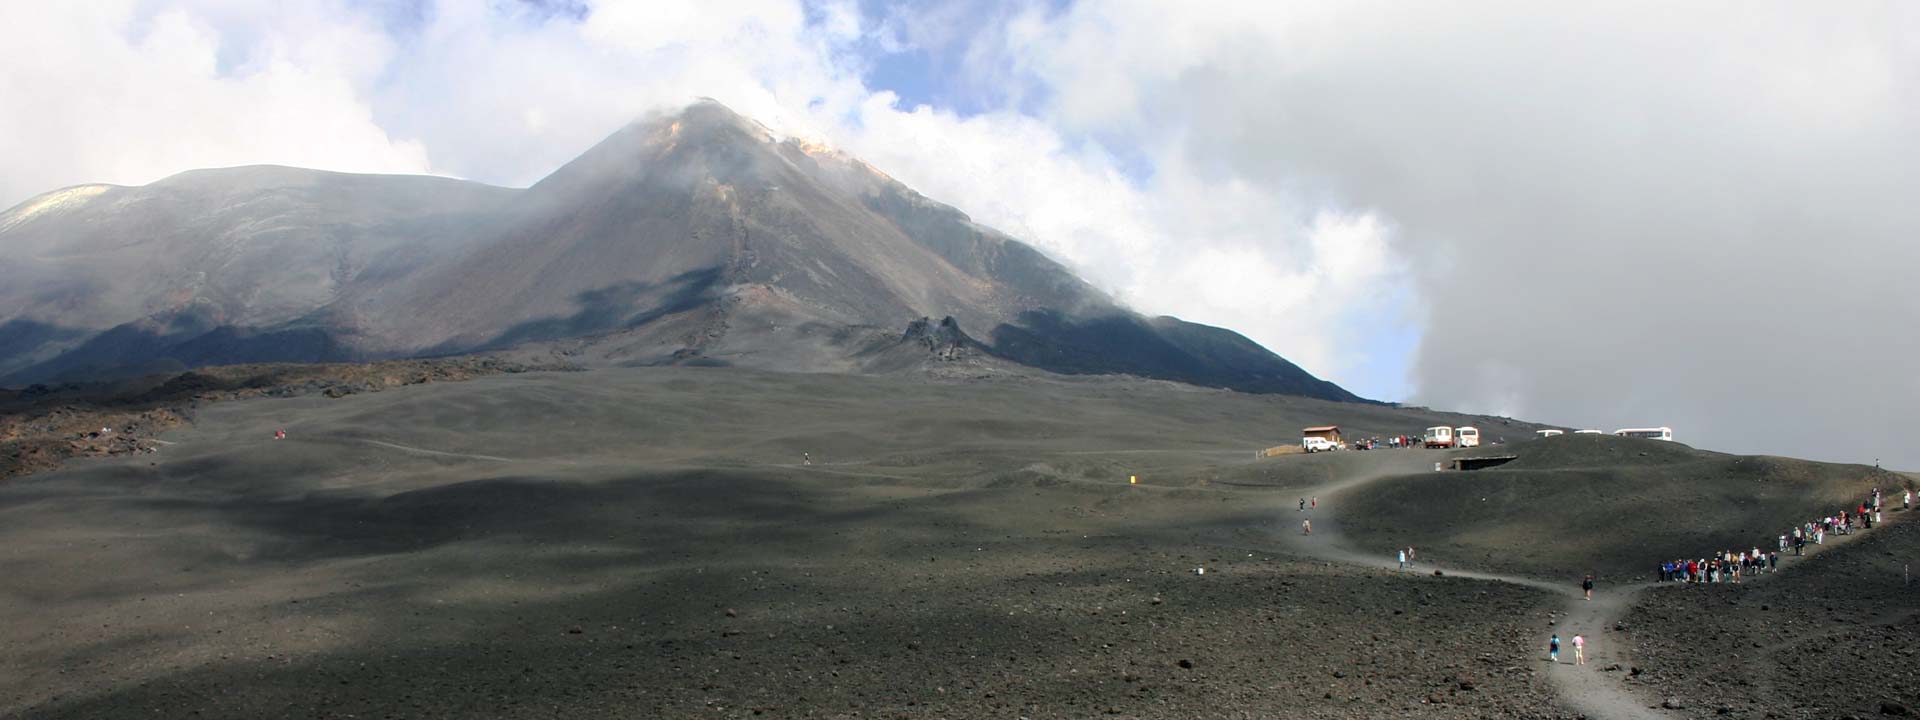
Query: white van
<point>1548,433</point>
<point>1438,437</point>
<point>1659,433</point>
<point>1466,437</point>
<point>1318,444</point>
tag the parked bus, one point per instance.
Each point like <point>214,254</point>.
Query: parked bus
<point>1548,433</point>
<point>1466,437</point>
<point>1439,437</point>
<point>1659,433</point>
<point>1588,432</point>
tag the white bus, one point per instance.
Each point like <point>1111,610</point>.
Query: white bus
<point>1659,433</point>
<point>1466,437</point>
<point>1438,437</point>
<point>1548,433</point>
<point>1588,432</point>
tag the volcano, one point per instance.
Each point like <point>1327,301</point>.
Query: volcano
<point>693,237</point>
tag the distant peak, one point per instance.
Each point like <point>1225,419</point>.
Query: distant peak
<point>53,202</point>
<point>707,114</point>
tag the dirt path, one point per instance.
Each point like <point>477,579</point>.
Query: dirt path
<point>1585,689</point>
<point>1590,690</point>
<point>441,453</point>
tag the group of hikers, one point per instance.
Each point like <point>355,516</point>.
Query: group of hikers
<point>1729,566</point>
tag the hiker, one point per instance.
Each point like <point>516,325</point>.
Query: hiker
<point>1587,585</point>
<point>1403,559</point>
<point>1411,557</point>
<point>1906,498</point>
<point>1579,650</point>
<point>1303,504</point>
<point>1553,648</point>
<point>1316,503</point>
<point>1773,561</point>
<point>806,458</point>
<point>279,434</point>
<point>1306,527</point>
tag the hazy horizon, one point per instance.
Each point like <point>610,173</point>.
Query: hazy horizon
<point>1600,217</point>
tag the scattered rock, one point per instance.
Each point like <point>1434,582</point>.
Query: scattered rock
<point>1894,709</point>
<point>1674,703</point>
<point>1187,664</point>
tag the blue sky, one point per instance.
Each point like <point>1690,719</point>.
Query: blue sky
<point>1437,203</point>
<point>504,91</point>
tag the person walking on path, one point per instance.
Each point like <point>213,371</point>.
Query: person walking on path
<point>1315,503</point>
<point>1587,585</point>
<point>1579,650</point>
<point>1403,559</point>
<point>1306,527</point>
<point>1303,504</point>
<point>1410,556</point>
<point>1553,648</point>
<point>1906,498</point>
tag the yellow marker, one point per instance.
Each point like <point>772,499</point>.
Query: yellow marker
<point>1133,479</point>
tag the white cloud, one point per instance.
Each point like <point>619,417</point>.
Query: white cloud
<point>1602,215</point>
<point>1619,214</point>
<point>505,95</point>
<point>1220,252</point>
<point>105,92</point>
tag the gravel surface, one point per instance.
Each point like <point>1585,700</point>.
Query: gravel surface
<point>1832,636</point>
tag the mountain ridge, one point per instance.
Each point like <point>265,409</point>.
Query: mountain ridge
<point>689,237</point>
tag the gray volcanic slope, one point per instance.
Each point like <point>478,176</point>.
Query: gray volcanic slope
<point>690,238</point>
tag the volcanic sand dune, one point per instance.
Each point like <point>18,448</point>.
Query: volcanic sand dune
<point>650,543</point>
<point>1575,504</point>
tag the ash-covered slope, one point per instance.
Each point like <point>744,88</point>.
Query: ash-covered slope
<point>697,237</point>
<point>216,266</point>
